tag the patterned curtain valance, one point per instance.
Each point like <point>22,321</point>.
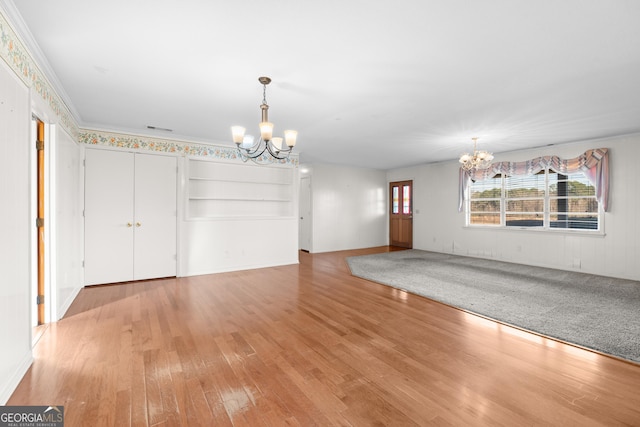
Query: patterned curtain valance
<point>593,163</point>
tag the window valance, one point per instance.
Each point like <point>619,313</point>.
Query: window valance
<point>593,163</point>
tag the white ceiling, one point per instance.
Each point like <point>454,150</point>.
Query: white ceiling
<point>372,83</point>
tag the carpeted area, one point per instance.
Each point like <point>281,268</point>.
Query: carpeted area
<point>601,313</point>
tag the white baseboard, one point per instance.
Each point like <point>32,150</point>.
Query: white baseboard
<point>9,387</point>
<point>62,310</point>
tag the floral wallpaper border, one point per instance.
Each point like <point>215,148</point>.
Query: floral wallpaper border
<point>117,140</point>
<point>16,56</point>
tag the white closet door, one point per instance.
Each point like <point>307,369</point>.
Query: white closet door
<point>109,216</point>
<point>155,215</point>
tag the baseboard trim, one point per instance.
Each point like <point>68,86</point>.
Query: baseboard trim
<point>9,387</point>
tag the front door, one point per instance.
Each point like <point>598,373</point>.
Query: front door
<point>401,214</point>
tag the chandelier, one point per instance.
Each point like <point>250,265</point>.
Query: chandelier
<point>477,160</point>
<point>267,147</point>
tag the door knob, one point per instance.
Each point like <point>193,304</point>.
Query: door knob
<point>129,224</point>
<point>138,224</point>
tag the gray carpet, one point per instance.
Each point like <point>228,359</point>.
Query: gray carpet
<point>601,313</point>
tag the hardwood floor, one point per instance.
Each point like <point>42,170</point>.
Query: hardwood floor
<point>308,345</point>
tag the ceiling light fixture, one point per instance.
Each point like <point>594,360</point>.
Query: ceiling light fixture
<point>477,160</point>
<point>266,148</point>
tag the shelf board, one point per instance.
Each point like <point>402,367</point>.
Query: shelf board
<point>242,218</point>
<point>238,199</point>
<point>197,178</point>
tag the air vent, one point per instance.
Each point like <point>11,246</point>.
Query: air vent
<point>157,128</point>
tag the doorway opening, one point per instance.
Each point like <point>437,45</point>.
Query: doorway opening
<point>39,319</point>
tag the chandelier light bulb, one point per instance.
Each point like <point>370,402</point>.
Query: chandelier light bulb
<point>248,141</point>
<point>465,158</point>
<point>238,134</point>
<point>266,130</point>
<point>290,137</point>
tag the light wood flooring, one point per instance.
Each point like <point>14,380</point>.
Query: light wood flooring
<point>309,345</point>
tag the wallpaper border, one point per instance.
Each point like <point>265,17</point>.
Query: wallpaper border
<point>17,57</point>
<point>145,143</point>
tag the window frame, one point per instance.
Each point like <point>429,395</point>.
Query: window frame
<point>546,222</point>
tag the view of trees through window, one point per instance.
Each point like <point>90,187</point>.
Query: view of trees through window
<point>544,200</point>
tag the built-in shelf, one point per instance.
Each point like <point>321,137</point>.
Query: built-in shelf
<point>230,190</point>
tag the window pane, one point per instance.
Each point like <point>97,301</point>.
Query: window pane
<point>575,204</point>
<point>575,184</point>
<point>524,220</point>
<point>395,208</point>
<point>525,200</point>
<point>485,218</point>
<point>406,199</point>
<point>525,205</point>
<point>487,189</point>
<point>577,221</point>
<point>524,186</point>
<point>485,206</point>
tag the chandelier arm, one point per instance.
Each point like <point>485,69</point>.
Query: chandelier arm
<point>254,151</point>
<point>276,153</point>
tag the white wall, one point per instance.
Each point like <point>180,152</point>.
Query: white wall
<point>65,221</point>
<point>439,227</point>
<point>15,222</point>
<point>219,245</point>
<point>349,208</point>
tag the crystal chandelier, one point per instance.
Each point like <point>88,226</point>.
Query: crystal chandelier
<point>267,147</point>
<point>477,160</point>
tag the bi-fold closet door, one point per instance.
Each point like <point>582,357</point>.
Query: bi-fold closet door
<point>130,216</point>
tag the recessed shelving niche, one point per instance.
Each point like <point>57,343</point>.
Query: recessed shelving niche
<point>229,190</point>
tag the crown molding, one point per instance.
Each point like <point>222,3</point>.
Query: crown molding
<point>23,32</point>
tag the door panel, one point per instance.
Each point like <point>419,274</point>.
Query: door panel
<point>304,228</point>
<point>155,216</point>
<point>401,214</point>
<point>109,216</point>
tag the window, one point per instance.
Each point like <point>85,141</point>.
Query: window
<point>406,199</point>
<point>486,201</point>
<point>524,200</point>
<point>572,202</point>
<point>395,209</point>
<point>545,200</point>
